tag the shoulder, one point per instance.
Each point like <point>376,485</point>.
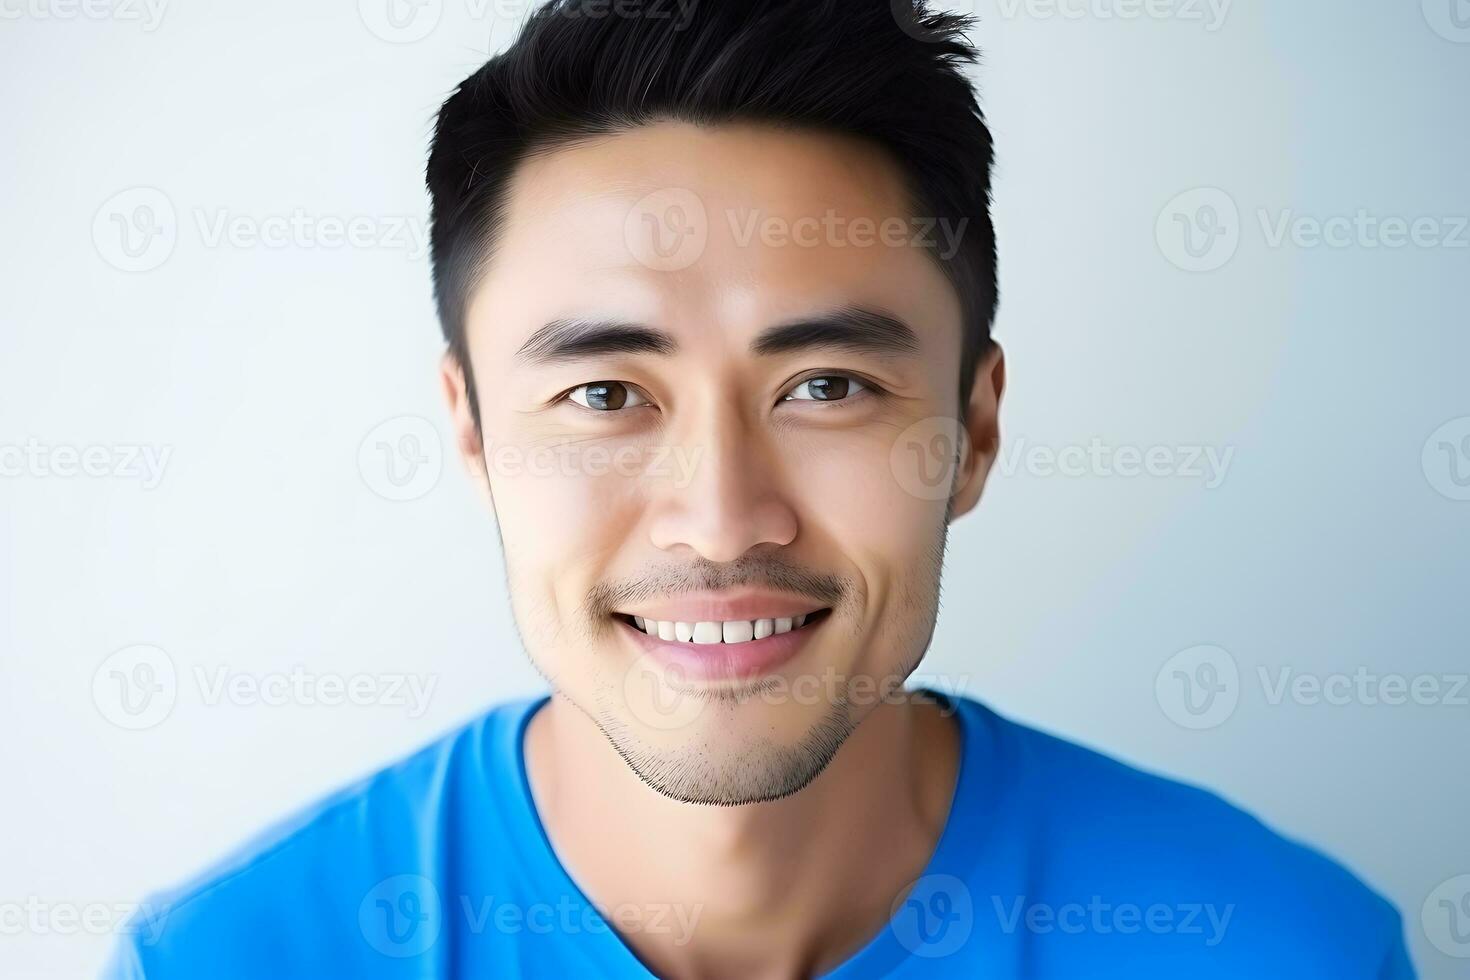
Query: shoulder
<point>1101,832</point>
<point>298,885</point>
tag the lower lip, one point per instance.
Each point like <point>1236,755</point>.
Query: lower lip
<point>712,662</point>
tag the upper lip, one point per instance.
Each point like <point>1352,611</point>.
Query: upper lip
<point>707,607</point>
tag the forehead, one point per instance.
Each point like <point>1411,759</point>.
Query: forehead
<point>708,232</point>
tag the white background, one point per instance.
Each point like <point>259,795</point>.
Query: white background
<point>1336,542</point>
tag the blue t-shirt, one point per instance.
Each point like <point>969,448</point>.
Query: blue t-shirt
<point>1055,862</point>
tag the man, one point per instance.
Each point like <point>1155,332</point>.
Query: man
<point>717,283</point>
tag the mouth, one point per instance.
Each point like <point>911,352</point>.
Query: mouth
<point>725,632</point>
<point>697,653</point>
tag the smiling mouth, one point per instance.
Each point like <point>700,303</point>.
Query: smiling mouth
<point>711,633</point>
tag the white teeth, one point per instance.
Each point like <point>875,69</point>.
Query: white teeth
<point>731,631</point>
<point>739,631</point>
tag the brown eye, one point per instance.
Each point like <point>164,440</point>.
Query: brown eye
<point>826,388</point>
<point>606,396</point>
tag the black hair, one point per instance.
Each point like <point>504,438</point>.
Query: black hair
<point>887,71</point>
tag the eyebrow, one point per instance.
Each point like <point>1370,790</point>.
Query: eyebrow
<point>574,339</point>
<point>852,329</point>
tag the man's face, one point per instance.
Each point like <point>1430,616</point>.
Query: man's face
<point>690,406</point>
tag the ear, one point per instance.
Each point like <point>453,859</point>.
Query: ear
<point>462,420</point>
<point>982,429</point>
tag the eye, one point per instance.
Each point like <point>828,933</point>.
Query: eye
<point>826,388</point>
<point>607,396</point>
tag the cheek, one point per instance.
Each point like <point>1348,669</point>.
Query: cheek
<point>852,501</point>
<point>564,516</point>
<point>849,489</point>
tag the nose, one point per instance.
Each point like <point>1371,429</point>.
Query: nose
<point>733,500</point>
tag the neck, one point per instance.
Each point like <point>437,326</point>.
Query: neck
<point>814,875</point>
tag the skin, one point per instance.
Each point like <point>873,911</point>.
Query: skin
<point>820,808</point>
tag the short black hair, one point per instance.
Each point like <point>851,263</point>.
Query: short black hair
<point>887,71</point>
